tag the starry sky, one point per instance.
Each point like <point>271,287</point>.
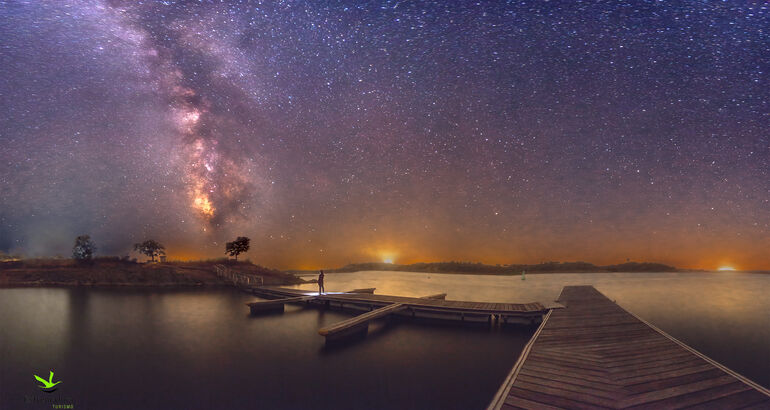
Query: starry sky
<point>347,131</point>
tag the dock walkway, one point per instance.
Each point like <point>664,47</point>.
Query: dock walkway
<point>360,322</point>
<point>595,354</point>
<point>427,307</point>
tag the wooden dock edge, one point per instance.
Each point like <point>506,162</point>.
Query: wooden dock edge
<point>276,305</point>
<point>505,387</point>
<point>703,356</point>
<point>358,322</point>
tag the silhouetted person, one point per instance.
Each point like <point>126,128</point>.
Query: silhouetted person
<point>321,283</point>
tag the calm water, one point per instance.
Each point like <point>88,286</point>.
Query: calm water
<point>195,350</point>
<point>725,315</point>
<point>200,349</point>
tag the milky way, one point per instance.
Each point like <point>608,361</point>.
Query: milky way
<point>335,132</point>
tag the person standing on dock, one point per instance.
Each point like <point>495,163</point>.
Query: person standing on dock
<point>321,282</point>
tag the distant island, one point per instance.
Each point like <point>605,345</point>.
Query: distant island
<point>513,269</point>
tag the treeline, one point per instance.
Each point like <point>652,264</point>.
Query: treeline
<point>84,251</point>
<point>480,268</point>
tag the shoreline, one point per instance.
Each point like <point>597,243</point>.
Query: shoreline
<point>121,274</point>
<point>106,285</point>
<point>330,272</point>
<point>115,273</point>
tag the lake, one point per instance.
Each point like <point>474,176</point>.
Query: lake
<point>155,349</point>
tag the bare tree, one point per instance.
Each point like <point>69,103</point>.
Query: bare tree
<point>150,248</point>
<point>238,246</point>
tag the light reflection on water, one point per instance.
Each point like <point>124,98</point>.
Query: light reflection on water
<point>725,315</point>
<point>199,349</point>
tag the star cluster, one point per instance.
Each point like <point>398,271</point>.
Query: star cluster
<point>346,131</point>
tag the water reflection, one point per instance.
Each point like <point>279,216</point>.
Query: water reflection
<point>725,315</point>
<point>199,349</point>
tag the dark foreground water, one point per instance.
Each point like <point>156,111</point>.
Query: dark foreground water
<point>200,349</point>
<point>195,350</point>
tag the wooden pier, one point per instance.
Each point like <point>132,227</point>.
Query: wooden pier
<point>595,354</point>
<point>277,305</point>
<point>360,323</point>
<point>430,307</point>
<point>378,306</point>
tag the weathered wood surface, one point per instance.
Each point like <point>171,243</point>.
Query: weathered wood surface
<point>281,301</point>
<point>595,354</point>
<point>276,305</point>
<point>365,318</point>
<point>364,290</point>
<point>360,319</point>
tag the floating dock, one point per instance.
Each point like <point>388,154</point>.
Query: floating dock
<point>360,323</point>
<point>595,354</point>
<point>379,306</point>
<point>430,307</point>
<point>276,305</point>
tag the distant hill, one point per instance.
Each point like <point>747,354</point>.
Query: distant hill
<point>482,269</point>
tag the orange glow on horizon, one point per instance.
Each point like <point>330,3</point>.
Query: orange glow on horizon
<point>296,255</point>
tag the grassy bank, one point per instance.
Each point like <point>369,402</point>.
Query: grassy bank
<point>120,272</point>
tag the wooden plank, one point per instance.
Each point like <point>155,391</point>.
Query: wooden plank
<point>276,305</point>
<point>566,391</point>
<point>571,363</point>
<point>736,401</point>
<point>647,371</point>
<point>521,403</point>
<point>758,406</point>
<point>661,382</point>
<point>695,398</point>
<point>436,296</point>
<point>578,372</point>
<point>580,381</point>
<point>557,400</point>
<point>281,301</point>
<point>677,390</point>
<point>669,353</point>
<point>545,369</point>
<point>656,365</point>
<point>364,290</point>
<point>525,379</point>
<point>678,371</point>
<point>360,319</point>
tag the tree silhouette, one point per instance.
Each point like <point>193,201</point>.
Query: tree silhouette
<point>150,248</point>
<point>84,248</point>
<point>238,246</point>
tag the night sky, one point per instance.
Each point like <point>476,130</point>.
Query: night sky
<point>336,132</point>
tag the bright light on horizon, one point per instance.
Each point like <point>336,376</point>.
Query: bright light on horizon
<point>388,260</point>
<point>726,268</point>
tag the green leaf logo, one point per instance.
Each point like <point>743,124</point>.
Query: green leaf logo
<point>47,384</point>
